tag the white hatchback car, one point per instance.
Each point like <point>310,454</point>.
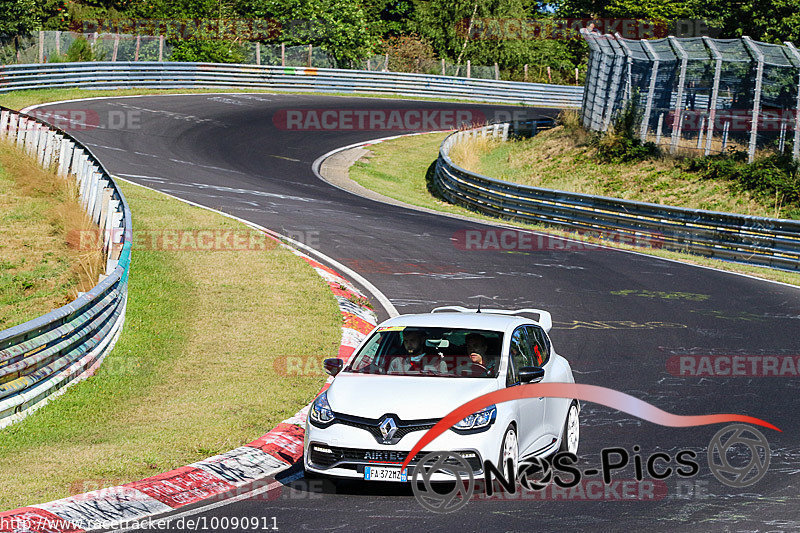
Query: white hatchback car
<point>415,369</point>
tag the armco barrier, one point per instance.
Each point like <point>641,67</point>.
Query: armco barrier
<point>742,238</point>
<point>41,357</point>
<point>114,75</point>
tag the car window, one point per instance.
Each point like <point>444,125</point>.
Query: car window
<point>430,351</point>
<point>540,345</point>
<point>520,350</point>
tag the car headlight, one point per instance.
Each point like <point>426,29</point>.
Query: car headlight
<point>320,412</point>
<point>478,421</point>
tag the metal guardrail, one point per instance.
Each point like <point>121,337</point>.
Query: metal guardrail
<point>116,75</point>
<point>39,358</point>
<point>742,238</point>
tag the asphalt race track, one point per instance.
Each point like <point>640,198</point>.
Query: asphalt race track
<point>619,317</point>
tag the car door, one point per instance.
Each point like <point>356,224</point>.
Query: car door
<point>554,408</point>
<point>531,410</point>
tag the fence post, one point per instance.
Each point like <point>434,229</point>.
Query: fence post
<point>712,110</point>
<point>258,53</point>
<point>678,120</point>
<point>525,70</point>
<point>496,71</point>
<point>58,42</point>
<point>283,54</point>
<point>796,145</point>
<point>469,69</point>
<point>444,72</point>
<point>751,149</point>
<point>648,108</point>
<point>615,81</point>
<point>160,48</point>
<point>309,55</point>
<point>660,126</point>
<point>116,47</point>
<point>138,44</point>
<point>386,63</point>
<point>628,67</point>
<point>41,46</point>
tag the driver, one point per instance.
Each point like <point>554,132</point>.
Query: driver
<point>415,358</point>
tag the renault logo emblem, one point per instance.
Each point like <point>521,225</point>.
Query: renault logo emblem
<point>388,428</point>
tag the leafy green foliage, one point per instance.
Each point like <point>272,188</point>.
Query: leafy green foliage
<point>774,176</point>
<point>80,50</point>
<point>206,51</point>
<point>18,17</point>
<point>621,143</point>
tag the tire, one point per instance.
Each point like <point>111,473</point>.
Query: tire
<point>509,447</point>
<point>570,434</point>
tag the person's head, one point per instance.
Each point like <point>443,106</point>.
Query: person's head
<point>413,342</point>
<point>476,347</point>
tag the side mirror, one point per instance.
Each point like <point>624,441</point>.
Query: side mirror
<point>333,366</point>
<point>531,374</point>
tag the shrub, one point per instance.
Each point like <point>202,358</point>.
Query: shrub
<point>621,143</point>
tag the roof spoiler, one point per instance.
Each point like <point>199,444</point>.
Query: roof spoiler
<point>545,320</point>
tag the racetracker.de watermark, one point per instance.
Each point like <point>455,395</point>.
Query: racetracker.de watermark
<point>83,119</point>
<point>517,29</point>
<point>201,240</point>
<point>336,119</point>
<point>728,366</point>
<point>523,241</point>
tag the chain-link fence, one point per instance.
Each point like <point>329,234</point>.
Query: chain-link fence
<point>55,46</point>
<point>700,94</point>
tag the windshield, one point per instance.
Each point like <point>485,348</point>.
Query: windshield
<point>444,352</point>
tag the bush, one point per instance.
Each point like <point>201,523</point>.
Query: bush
<point>774,178</point>
<point>621,143</point>
<point>79,50</point>
<point>206,51</point>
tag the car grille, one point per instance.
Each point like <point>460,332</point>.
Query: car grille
<point>323,456</point>
<point>372,426</point>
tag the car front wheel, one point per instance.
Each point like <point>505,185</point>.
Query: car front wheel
<point>509,449</point>
<point>571,434</point>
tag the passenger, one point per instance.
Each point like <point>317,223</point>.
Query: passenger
<point>477,346</point>
<point>416,359</point>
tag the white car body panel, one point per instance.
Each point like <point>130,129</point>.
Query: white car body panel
<point>408,398</point>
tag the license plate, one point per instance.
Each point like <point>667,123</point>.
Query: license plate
<point>384,473</point>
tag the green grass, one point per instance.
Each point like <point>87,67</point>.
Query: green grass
<point>193,373</point>
<point>555,160</point>
<point>402,169</point>
<point>38,270</point>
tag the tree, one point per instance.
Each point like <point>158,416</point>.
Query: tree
<point>18,17</point>
<point>340,27</point>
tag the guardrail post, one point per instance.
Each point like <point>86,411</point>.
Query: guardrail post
<point>505,131</point>
<point>796,145</point>
<point>13,127</point>
<point>759,57</point>
<point>677,123</point>
<point>22,128</point>
<point>4,123</point>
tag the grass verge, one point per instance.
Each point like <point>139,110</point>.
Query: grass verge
<point>39,271</point>
<point>554,159</point>
<point>403,169</point>
<point>193,373</point>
